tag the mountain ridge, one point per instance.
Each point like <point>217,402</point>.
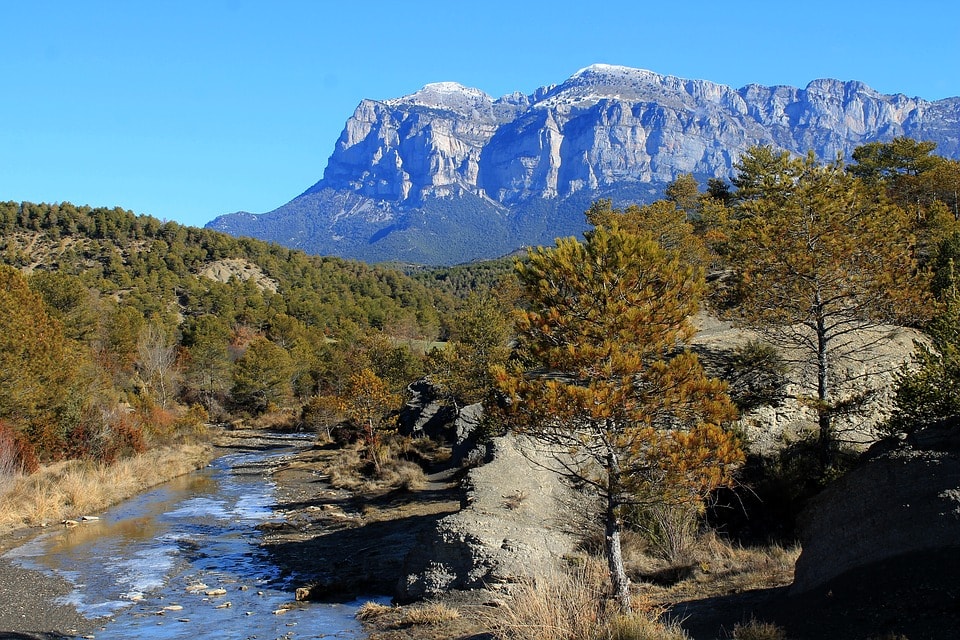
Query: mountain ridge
<point>449,174</point>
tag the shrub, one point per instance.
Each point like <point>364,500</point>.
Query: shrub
<point>573,606</point>
<point>756,373</point>
<point>114,436</point>
<point>404,475</point>
<point>193,422</point>
<point>644,627</point>
<point>670,529</point>
<point>557,607</point>
<point>17,455</point>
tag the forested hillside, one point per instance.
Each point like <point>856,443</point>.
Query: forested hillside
<point>120,333</point>
<point>122,330</point>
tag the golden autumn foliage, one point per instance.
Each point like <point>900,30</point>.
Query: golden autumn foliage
<point>368,403</point>
<point>609,391</point>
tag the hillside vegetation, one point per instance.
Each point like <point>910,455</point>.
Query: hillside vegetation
<point>122,331</point>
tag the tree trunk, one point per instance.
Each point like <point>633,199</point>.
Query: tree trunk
<point>372,443</point>
<point>618,575</point>
<point>825,435</point>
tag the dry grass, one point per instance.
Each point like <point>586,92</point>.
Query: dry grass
<point>641,626</point>
<point>742,568</point>
<point>403,474</point>
<point>7,481</point>
<point>430,614</point>
<point>712,566</point>
<point>10,467</point>
<point>275,420</point>
<point>71,489</point>
<point>756,630</point>
<point>558,607</point>
<point>343,469</point>
<point>349,469</point>
<point>372,610</point>
<point>574,606</point>
<point>429,620</point>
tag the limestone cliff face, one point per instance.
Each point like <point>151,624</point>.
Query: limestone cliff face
<point>605,131</point>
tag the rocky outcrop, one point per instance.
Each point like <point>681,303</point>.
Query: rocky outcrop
<point>451,161</point>
<point>867,372</point>
<point>427,415</point>
<point>902,502</point>
<point>511,528</point>
<point>516,517</point>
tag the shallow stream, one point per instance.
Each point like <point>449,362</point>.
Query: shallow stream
<point>184,561</point>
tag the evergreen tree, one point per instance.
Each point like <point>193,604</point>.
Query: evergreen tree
<point>609,391</point>
<point>820,258</point>
<point>37,362</point>
<point>262,375</point>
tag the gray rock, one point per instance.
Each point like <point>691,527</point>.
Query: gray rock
<point>899,502</point>
<point>512,527</point>
<point>427,415</point>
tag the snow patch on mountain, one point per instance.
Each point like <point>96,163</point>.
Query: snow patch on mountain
<point>448,95</point>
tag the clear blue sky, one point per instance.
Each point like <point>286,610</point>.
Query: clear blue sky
<point>189,109</point>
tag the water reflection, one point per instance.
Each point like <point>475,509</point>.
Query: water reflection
<point>141,557</point>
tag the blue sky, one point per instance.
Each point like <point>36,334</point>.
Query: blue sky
<point>186,110</point>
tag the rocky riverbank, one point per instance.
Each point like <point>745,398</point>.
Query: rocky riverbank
<point>28,598</point>
<point>461,537</point>
<point>28,607</point>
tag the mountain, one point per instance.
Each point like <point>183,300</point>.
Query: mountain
<point>450,174</point>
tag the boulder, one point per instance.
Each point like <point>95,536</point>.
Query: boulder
<point>512,527</point>
<point>903,500</point>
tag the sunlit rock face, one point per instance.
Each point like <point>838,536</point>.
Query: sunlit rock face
<point>408,172</point>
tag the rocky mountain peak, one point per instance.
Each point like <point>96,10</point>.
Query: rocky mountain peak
<point>407,173</point>
<point>445,95</point>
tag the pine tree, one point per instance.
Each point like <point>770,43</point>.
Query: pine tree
<point>610,393</point>
<point>820,258</point>
<point>262,375</point>
<point>37,362</point>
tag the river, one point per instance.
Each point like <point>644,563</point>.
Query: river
<point>184,561</point>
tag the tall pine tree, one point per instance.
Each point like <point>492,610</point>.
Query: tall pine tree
<point>610,394</point>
